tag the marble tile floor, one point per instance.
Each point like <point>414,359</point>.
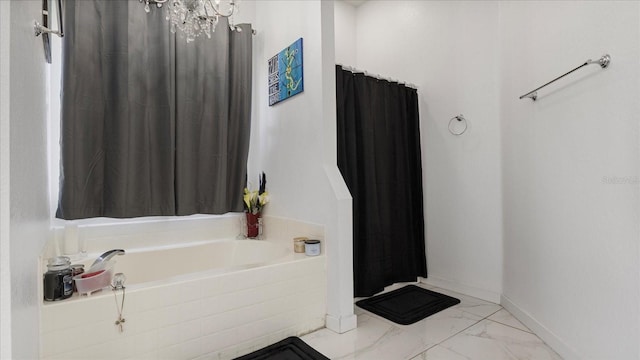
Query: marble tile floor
<point>472,330</point>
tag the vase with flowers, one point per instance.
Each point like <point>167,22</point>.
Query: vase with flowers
<point>254,202</point>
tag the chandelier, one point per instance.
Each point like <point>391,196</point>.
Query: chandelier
<point>195,17</point>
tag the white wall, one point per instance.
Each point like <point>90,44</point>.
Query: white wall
<point>345,33</point>
<point>5,240</point>
<point>571,238</point>
<point>28,193</point>
<point>429,43</point>
<point>561,174</point>
<point>290,133</point>
<point>297,140</point>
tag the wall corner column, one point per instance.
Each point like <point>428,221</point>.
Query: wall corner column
<point>5,241</point>
<point>340,317</point>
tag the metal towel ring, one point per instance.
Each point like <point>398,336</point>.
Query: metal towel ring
<point>458,118</point>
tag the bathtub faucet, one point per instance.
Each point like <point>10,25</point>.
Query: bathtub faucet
<point>107,256</point>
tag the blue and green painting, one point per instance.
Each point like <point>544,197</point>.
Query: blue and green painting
<point>285,73</point>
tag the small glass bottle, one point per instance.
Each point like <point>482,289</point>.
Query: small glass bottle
<point>76,269</point>
<point>58,280</point>
<point>243,227</point>
<point>260,229</point>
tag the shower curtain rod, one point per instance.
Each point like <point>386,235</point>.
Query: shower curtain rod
<point>377,76</point>
<point>603,62</point>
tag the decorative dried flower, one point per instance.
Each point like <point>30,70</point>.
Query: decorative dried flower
<point>255,200</point>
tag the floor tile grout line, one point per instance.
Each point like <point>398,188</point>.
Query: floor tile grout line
<point>496,321</point>
<point>373,345</point>
<point>511,326</point>
<point>481,317</point>
<point>436,344</point>
<point>475,323</point>
<point>493,313</point>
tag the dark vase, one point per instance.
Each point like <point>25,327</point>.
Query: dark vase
<point>252,225</point>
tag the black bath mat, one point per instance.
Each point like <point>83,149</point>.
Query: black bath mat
<point>408,304</point>
<point>291,348</point>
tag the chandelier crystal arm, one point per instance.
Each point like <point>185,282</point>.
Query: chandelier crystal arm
<point>194,17</point>
<point>146,3</point>
<point>216,8</point>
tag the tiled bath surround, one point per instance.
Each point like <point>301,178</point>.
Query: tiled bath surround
<point>208,316</point>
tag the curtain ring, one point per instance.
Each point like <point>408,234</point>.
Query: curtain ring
<point>459,118</point>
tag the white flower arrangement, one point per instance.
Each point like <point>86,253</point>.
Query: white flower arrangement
<point>255,200</point>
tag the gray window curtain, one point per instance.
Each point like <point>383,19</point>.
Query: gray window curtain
<point>151,125</point>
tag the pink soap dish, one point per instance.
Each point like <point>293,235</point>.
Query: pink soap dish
<point>89,283</point>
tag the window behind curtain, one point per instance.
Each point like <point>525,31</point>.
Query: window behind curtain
<point>150,125</point>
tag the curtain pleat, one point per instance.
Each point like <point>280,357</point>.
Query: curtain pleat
<point>143,133</point>
<point>213,96</point>
<point>379,157</point>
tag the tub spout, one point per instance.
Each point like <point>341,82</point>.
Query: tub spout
<point>107,256</point>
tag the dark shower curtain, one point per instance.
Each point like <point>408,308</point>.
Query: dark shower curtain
<point>379,157</point>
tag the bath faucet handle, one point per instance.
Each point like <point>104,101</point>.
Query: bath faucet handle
<point>107,256</point>
<point>118,281</point>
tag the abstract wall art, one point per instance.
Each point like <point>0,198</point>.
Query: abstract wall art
<point>286,73</point>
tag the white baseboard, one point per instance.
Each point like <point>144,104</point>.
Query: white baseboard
<point>483,294</point>
<point>540,330</point>
<point>341,324</point>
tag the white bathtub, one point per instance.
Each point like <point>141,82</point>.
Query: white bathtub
<point>214,299</point>
<point>173,263</point>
